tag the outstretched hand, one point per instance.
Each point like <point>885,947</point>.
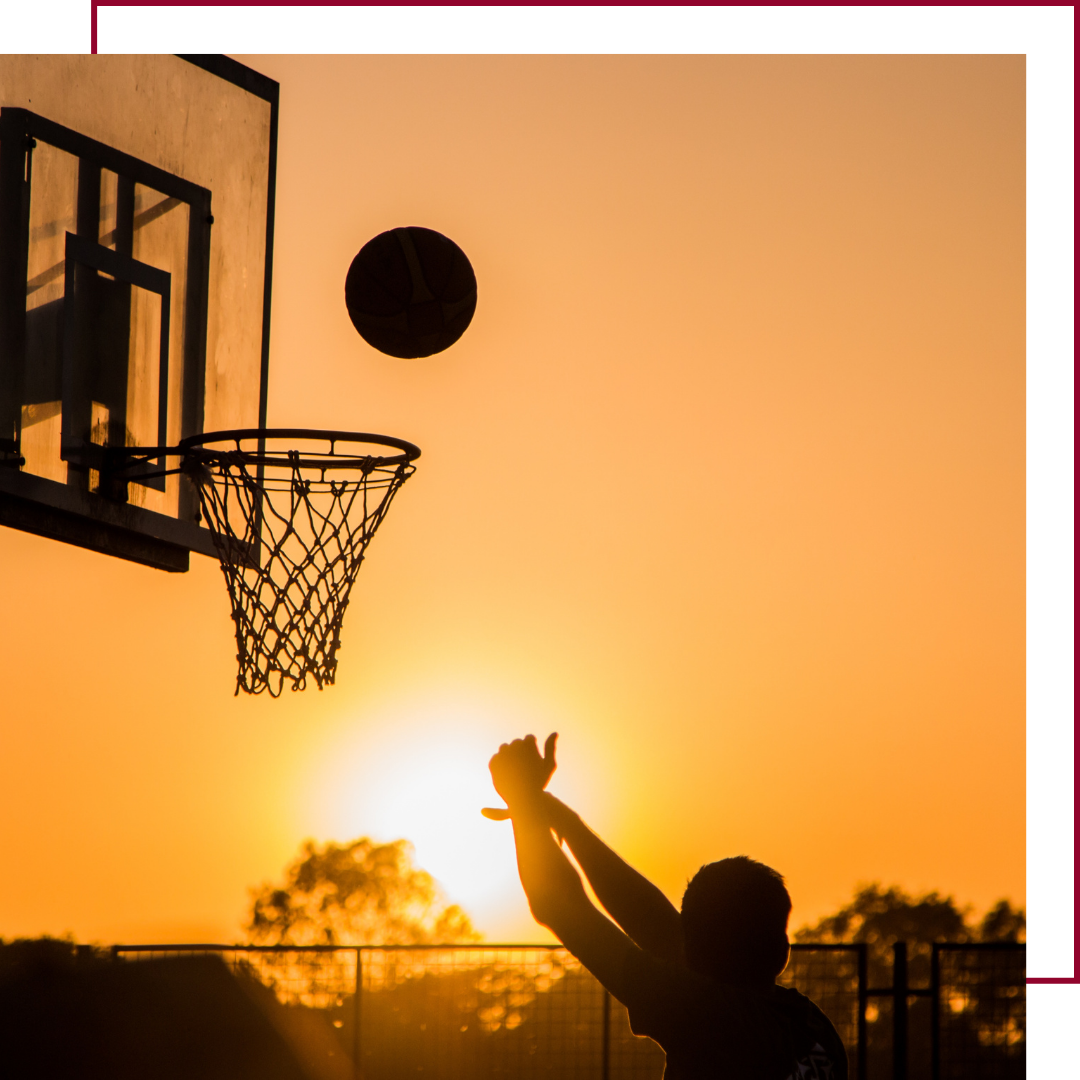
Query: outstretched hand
<point>519,772</point>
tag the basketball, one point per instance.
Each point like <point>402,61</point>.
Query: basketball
<point>410,292</point>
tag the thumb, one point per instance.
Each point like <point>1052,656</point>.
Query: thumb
<point>549,748</point>
<point>492,814</point>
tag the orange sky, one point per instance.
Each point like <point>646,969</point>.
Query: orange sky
<point>725,483</point>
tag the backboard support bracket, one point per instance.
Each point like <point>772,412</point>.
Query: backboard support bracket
<point>59,510</point>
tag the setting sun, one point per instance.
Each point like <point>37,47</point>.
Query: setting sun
<point>360,789</point>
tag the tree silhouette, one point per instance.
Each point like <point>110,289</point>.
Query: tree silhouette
<point>1003,922</point>
<point>358,893</point>
<point>879,917</point>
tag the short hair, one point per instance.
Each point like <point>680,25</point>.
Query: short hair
<point>734,920</point>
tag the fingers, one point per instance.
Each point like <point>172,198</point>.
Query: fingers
<point>494,814</point>
<point>518,766</point>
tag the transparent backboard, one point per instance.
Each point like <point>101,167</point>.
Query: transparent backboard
<point>136,224</point>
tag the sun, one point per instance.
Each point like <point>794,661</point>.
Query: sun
<point>425,780</point>
<point>434,799</point>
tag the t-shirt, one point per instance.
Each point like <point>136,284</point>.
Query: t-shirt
<point>721,1031</point>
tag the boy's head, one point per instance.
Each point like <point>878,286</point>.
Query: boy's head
<point>734,918</point>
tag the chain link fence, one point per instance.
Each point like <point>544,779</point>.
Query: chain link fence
<point>980,1019</point>
<point>474,1012</point>
<point>526,1011</point>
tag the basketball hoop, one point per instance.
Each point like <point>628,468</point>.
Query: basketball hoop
<point>291,513</point>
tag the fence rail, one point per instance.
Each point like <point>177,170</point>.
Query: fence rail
<point>524,1011</point>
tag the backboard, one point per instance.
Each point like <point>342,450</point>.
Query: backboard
<point>136,232</point>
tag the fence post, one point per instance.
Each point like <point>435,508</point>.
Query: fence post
<point>864,1000</point>
<point>935,1015</point>
<point>900,1011</point>
<point>357,1069</point>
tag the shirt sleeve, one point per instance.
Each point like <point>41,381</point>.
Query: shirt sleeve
<point>670,1003</point>
<point>657,995</point>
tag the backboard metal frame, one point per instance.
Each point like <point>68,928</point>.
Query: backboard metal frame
<point>224,67</point>
<point>72,512</point>
<point>74,446</point>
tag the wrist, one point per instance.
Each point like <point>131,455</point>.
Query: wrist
<point>560,817</point>
<point>525,803</point>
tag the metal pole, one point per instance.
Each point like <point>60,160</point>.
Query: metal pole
<point>864,998</point>
<point>357,1069</point>
<point>900,1011</point>
<point>935,1015</point>
<point>605,1059</point>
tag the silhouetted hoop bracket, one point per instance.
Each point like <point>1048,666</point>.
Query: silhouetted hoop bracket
<point>291,512</point>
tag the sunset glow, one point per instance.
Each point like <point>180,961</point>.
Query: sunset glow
<point>725,483</point>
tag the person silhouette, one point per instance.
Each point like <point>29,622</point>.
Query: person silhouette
<point>700,982</point>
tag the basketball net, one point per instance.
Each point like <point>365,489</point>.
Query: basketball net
<point>291,539</point>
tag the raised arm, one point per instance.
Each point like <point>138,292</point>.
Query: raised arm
<point>637,905</point>
<point>556,896</point>
<point>633,901</point>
